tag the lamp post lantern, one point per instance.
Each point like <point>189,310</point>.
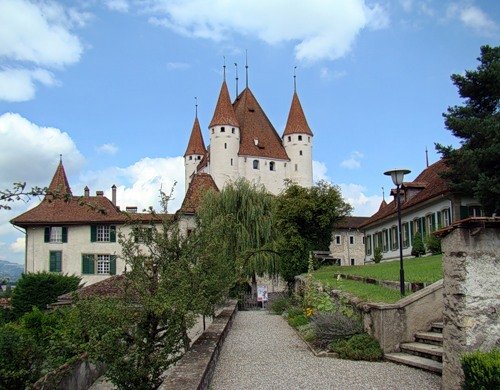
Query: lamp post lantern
<point>397,176</point>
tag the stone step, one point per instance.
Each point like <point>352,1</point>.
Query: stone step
<point>415,361</point>
<point>424,350</point>
<point>430,337</point>
<point>437,327</point>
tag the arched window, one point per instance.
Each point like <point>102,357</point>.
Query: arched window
<point>255,164</point>
<point>300,138</point>
<point>272,166</point>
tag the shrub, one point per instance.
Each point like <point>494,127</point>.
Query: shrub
<point>433,244</point>
<point>333,326</point>
<point>294,311</point>
<point>279,306</point>
<point>377,255</point>
<point>298,320</point>
<point>418,248</point>
<point>39,290</point>
<point>358,347</point>
<point>307,332</point>
<point>481,370</point>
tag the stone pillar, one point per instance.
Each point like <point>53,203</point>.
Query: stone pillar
<point>471,293</point>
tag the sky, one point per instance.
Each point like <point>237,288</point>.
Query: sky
<point>111,86</point>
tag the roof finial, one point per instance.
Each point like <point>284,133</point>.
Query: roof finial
<point>294,80</point>
<point>196,106</point>
<point>383,194</point>
<point>224,66</point>
<point>60,158</point>
<point>246,67</point>
<point>426,157</point>
<point>236,65</point>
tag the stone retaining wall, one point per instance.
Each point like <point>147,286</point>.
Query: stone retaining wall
<point>393,285</point>
<point>195,369</point>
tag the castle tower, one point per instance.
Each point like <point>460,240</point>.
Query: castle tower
<point>297,140</point>
<point>194,152</point>
<point>224,140</point>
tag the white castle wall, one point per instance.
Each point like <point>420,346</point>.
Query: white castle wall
<point>299,150</point>
<point>224,146</point>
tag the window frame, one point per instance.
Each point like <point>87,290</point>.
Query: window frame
<point>55,261</point>
<point>256,164</point>
<point>90,264</point>
<point>338,239</point>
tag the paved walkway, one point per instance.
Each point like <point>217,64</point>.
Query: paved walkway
<point>263,352</point>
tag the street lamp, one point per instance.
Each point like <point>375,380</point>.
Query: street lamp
<point>397,176</point>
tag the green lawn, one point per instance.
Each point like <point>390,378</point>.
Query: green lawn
<point>423,269</point>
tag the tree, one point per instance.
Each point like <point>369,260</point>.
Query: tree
<point>377,255</point>
<point>474,168</point>
<point>40,289</point>
<point>305,218</point>
<point>417,248</point>
<point>19,191</point>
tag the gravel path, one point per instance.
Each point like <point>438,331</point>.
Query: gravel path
<point>263,352</point>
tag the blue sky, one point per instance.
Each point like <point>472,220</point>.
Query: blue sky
<point>110,85</point>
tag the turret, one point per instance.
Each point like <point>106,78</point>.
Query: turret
<point>194,152</point>
<point>297,140</point>
<point>224,140</point>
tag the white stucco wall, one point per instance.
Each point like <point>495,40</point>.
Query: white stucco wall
<point>274,181</point>
<point>299,170</point>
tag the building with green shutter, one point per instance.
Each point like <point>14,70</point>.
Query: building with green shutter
<point>427,204</point>
<point>77,234</point>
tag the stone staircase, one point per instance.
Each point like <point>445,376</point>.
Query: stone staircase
<point>426,352</point>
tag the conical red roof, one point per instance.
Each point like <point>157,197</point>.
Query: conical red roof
<point>296,123</point>
<point>59,183</point>
<point>224,113</point>
<point>196,145</point>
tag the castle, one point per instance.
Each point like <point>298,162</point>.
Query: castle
<point>245,144</point>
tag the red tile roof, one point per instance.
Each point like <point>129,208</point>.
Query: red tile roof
<point>351,222</point>
<point>296,122</point>
<point>112,287</point>
<point>59,184</point>
<point>196,144</point>
<point>224,112</point>
<point>432,186</point>
<point>254,125</point>
<point>200,184</point>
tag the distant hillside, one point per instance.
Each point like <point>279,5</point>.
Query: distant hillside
<point>10,270</point>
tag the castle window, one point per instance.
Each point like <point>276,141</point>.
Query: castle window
<point>255,164</point>
<point>308,139</point>
<point>213,131</point>
<point>272,166</point>
<point>225,145</point>
<point>231,162</point>
<point>222,129</point>
<point>232,130</point>
<point>296,167</point>
<point>351,240</point>
<point>338,240</point>
<point>300,152</point>
<point>300,138</point>
<point>289,138</point>
<point>198,157</point>
<point>190,157</point>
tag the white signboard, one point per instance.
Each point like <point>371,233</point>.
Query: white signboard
<point>262,293</point>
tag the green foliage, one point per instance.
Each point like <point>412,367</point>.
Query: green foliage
<point>418,248</point>
<point>433,244</point>
<point>298,320</point>
<point>279,306</point>
<point>358,347</point>
<point>305,218</point>
<point>475,166</point>
<point>377,255</point>
<point>332,326</point>
<point>481,370</point>
<point>39,290</point>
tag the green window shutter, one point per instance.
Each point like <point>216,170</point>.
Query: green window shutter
<point>411,230</point>
<point>93,233</point>
<point>46,235</point>
<point>55,261</point>
<point>439,220</point>
<point>434,222</point>
<point>87,264</point>
<point>112,265</point>
<point>464,212</point>
<point>64,234</point>
<point>391,244</point>
<point>422,226</point>
<point>112,233</point>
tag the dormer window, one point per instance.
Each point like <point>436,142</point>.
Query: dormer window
<point>300,138</point>
<point>222,129</point>
<point>255,164</point>
<point>272,166</point>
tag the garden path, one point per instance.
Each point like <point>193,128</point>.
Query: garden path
<point>263,352</point>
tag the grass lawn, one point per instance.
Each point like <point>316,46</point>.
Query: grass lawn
<point>423,269</point>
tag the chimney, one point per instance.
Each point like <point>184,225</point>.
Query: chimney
<point>99,193</point>
<point>113,194</point>
<point>86,191</point>
<point>131,209</point>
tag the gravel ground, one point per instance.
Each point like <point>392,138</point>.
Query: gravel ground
<point>263,352</point>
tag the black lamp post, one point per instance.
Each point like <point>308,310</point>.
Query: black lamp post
<point>397,176</point>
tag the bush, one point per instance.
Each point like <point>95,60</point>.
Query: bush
<point>481,370</point>
<point>279,306</point>
<point>298,320</point>
<point>307,332</point>
<point>39,290</point>
<point>417,248</point>
<point>333,326</point>
<point>358,347</point>
<point>377,255</point>
<point>433,244</point>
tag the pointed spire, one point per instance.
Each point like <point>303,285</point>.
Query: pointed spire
<point>59,183</point>
<point>236,66</point>
<point>296,123</point>
<point>224,112</point>
<point>196,144</point>
<point>224,66</point>
<point>196,106</point>
<point>294,80</point>
<point>246,68</point>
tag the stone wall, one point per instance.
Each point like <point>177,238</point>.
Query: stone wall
<point>471,293</point>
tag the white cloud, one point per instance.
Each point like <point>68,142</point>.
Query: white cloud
<point>18,85</point>
<point>319,171</point>
<point>110,148</point>
<point>30,153</point>
<point>363,205</point>
<point>178,65</point>
<point>328,75</point>
<point>118,5</point>
<point>320,29</point>
<point>353,162</point>
<point>473,17</point>
<point>18,246</point>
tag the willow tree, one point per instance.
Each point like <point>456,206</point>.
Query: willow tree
<point>240,217</point>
